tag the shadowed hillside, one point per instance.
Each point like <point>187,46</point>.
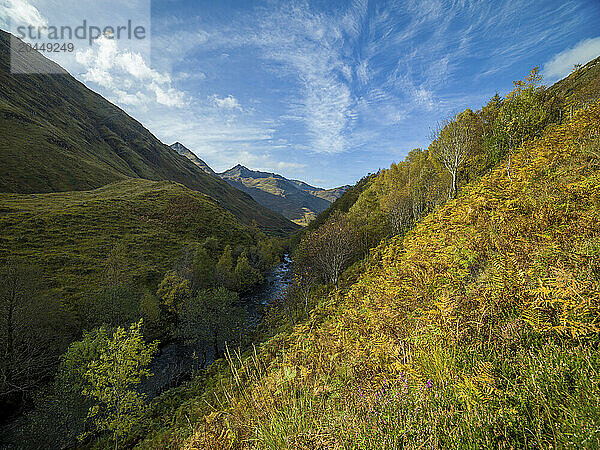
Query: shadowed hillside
<point>60,136</point>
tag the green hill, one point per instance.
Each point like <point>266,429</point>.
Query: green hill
<point>581,87</point>
<point>73,261</point>
<point>71,235</point>
<point>294,199</point>
<point>60,136</point>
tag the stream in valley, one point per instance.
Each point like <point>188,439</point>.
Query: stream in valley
<point>176,362</point>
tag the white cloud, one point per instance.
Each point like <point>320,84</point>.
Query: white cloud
<point>424,97</point>
<point>126,76</point>
<point>362,72</point>
<point>229,102</point>
<point>173,43</point>
<point>562,63</point>
<point>20,12</point>
<point>168,96</point>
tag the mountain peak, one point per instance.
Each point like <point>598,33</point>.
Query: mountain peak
<point>240,171</point>
<point>184,151</point>
<point>294,199</point>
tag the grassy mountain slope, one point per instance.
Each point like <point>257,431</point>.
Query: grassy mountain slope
<point>581,86</point>
<point>331,195</point>
<point>294,199</point>
<point>477,329</point>
<point>60,136</point>
<point>71,235</point>
<point>477,316</point>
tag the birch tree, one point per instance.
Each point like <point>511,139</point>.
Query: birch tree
<point>328,250</point>
<point>113,380</point>
<point>454,143</point>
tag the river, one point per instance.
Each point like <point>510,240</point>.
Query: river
<point>175,362</point>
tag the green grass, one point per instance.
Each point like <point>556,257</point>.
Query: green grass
<point>582,86</point>
<point>71,234</point>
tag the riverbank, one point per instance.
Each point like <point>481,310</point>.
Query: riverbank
<point>176,361</point>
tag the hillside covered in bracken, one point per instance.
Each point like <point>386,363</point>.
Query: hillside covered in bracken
<point>476,326</point>
<point>373,237</point>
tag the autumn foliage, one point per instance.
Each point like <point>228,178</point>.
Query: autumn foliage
<point>477,328</point>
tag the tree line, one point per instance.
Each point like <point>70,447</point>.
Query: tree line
<point>463,147</point>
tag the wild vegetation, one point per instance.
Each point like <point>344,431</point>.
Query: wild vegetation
<point>451,301</point>
<point>471,323</point>
<point>75,262</point>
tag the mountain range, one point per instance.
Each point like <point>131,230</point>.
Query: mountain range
<point>294,199</point>
<point>58,135</point>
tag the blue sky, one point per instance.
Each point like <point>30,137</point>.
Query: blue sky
<point>327,91</point>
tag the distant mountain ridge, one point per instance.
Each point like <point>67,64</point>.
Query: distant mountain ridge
<point>58,135</point>
<point>184,151</point>
<point>294,199</point>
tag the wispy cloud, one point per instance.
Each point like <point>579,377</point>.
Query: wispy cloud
<point>311,46</point>
<point>280,85</point>
<point>229,102</point>
<point>361,69</point>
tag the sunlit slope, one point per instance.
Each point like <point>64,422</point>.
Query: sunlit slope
<point>477,329</point>
<point>580,87</point>
<point>294,199</point>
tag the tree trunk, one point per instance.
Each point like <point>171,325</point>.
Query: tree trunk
<point>453,191</point>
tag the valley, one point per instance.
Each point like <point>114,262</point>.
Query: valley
<point>445,295</point>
